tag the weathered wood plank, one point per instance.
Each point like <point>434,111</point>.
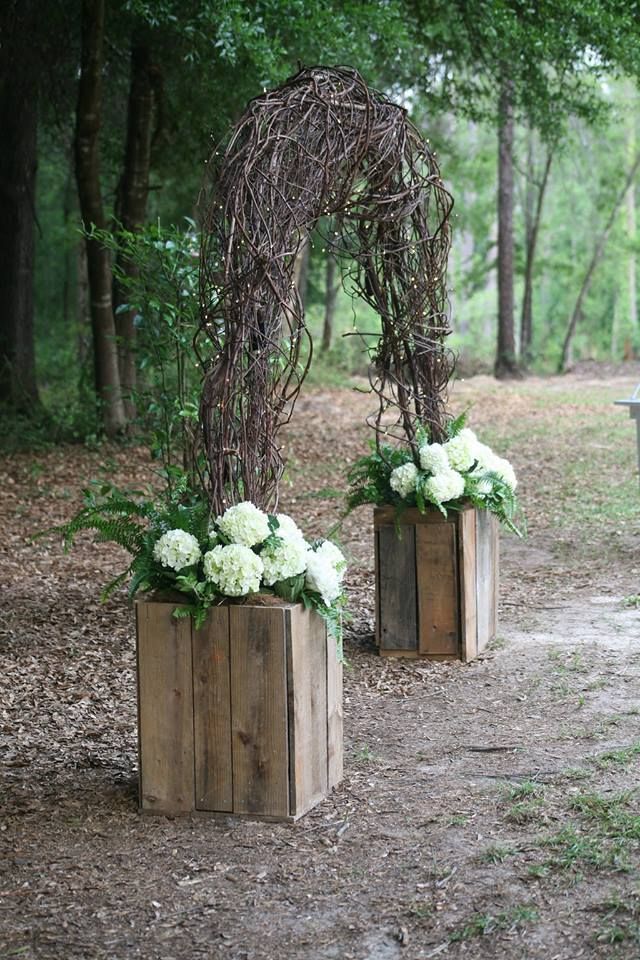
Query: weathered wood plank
<point>468,598</point>
<point>438,607</point>
<point>165,709</point>
<point>259,710</point>
<point>334,714</point>
<point>486,576</point>
<point>212,712</point>
<point>397,600</point>
<point>387,516</point>
<point>307,703</point>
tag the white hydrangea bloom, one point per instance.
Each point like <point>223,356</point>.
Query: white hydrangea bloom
<point>504,470</point>
<point>333,554</point>
<point>462,450</point>
<point>177,549</point>
<point>288,529</point>
<point>403,479</point>
<point>489,462</point>
<point>244,523</point>
<point>323,577</point>
<point>326,567</point>
<point>284,559</point>
<point>444,486</point>
<point>235,569</point>
<point>433,457</point>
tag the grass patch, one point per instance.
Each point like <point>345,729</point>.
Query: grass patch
<point>484,924</point>
<point>497,853</point>
<point>621,757</point>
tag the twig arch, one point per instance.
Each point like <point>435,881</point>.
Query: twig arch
<point>321,145</point>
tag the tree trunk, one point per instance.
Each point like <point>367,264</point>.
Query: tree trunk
<point>593,263</point>
<point>331,293</point>
<point>301,272</point>
<point>131,209</point>
<point>531,239</point>
<point>631,225</point>
<point>506,363</point>
<point>18,162</point>
<point>88,115</point>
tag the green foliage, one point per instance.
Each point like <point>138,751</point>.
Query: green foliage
<point>136,520</point>
<point>370,480</point>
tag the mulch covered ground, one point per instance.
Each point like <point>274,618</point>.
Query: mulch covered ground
<point>488,810</point>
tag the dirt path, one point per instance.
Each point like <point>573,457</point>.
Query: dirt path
<point>488,810</point>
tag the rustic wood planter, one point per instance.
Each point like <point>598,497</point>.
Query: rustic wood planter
<point>243,716</point>
<point>436,583</point>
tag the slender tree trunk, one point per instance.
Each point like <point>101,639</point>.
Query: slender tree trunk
<point>301,272</point>
<point>531,240</point>
<point>88,116</point>
<point>18,162</point>
<point>593,263</point>
<point>506,364</point>
<point>331,293</point>
<point>131,210</point>
<point>632,277</point>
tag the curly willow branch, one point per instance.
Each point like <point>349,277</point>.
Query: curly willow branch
<point>321,145</point>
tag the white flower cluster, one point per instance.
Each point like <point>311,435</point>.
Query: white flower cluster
<point>326,566</point>
<point>246,550</point>
<point>445,485</point>
<point>403,479</point>
<point>235,569</point>
<point>177,549</point>
<point>284,559</point>
<point>244,523</point>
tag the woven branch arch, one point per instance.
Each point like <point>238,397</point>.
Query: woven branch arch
<point>321,145</point>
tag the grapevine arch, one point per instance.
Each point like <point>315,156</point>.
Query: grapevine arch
<point>322,145</point>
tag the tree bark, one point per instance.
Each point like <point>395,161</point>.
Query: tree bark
<point>18,163</point>
<point>593,263</point>
<point>131,208</point>
<point>534,216</point>
<point>506,364</point>
<point>88,118</point>
<point>331,293</point>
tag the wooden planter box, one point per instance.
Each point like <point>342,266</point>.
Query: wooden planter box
<point>436,583</point>
<point>243,716</point>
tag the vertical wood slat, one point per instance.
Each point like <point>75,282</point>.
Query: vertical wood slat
<point>212,712</point>
<point>487,576</point>
<point>259,710</point>
<point>438,607</point>
<point>468,596</point>
<point>165,709</point>
<point>334,714</point>
<point>307,702</point>
<point>397,602</point>
<point>486,580</point>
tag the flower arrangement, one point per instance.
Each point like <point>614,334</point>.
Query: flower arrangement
<point>176,545</point>
<point>442,475</point>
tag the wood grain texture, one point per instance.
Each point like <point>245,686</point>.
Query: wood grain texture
<point>438,606</point>
<point>386,516</point>
<point>334,714</point>
<point>307,704</point>
<point>397,606</point>
<point>165,709</point>
<point>212,712</point>
<point>485,589</point>
<point>486,576</point>
<point>468,596</point>
<point>259,710</point>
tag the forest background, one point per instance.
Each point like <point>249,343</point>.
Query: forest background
<point>109,110</point>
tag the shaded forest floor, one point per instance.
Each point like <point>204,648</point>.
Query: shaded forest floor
<point>488,810</point>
